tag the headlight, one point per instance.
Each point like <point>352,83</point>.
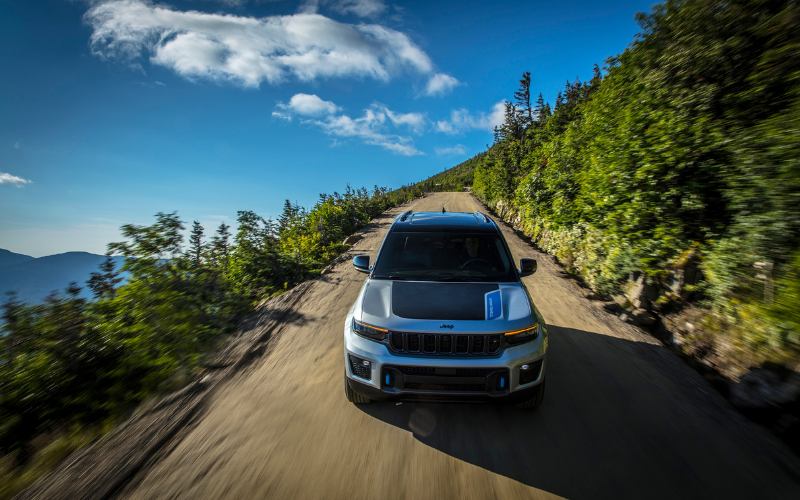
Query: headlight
<point>369,332</point>
<point>520,336</point>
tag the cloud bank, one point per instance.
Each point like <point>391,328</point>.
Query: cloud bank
<point>13,180</point>
<point>456,150</point>
<point>305,105</point>
<point>440,84</point>
<point>361,8</point>
<point>461,120</point>
<point>373,127</point>
<point>249,51</point>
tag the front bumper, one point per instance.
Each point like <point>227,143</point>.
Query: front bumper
<point>375,372</point>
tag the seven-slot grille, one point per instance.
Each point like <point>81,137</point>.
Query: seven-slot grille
<point>444,343</point>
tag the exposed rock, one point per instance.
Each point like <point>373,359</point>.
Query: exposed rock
<point>352,239</point>
<point>764,389</point>
<point>641,317</point>
<point>642,294</point>
<point>325,271</point>
<point>620,300</point>
<point>685,273</point>
<point>612,307</point>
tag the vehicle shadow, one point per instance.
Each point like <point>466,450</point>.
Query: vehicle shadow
<point>614,423</point>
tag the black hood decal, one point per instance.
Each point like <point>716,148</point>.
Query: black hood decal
<point>444,301</point>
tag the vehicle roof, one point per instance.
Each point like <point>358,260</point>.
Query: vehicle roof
<point>445,222</point>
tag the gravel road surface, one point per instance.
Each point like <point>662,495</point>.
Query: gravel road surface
<point>622,417</point>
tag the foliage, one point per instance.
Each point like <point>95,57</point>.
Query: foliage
<point>689,139</point>
<point>69,363</point>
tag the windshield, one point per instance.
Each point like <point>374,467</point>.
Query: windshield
<point>444,257</point>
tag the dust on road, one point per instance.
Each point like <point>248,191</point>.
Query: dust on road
<point>622,417</point>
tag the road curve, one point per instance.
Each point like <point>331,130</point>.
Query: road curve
<point>622,417</point>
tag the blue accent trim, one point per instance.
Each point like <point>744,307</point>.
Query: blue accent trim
<point>502,382</point>
<point>494,305</point>
<point>387,379</point>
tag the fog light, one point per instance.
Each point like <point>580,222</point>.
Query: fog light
<point>529,372</point>
<point>360,367</point>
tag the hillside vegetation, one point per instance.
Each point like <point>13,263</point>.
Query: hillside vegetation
<point>682,153</point>
<point>71,368</point>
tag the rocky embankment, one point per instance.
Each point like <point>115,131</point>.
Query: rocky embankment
<point>768,394</point>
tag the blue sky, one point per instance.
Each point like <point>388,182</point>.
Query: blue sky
<point>115,110</point>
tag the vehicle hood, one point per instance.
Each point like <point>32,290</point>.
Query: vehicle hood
<point>459,307</point>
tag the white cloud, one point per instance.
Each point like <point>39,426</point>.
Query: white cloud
<point>18,144</point>
<point>461,121</point>
<point>248,50</point>
<point>414,121</point>
<point>440,84</point>
<point>370,128</point>
<point>307,105</point>
<point>456,150</point>
<point>361,8</point>
<point>13,180</point>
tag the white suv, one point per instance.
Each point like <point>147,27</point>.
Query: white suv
<point>443,315</point>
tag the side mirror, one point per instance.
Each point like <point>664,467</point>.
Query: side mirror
<point>527,267</point>
<point>361,263</point>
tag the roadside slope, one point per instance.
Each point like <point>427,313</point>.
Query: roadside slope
<point>622,418</point>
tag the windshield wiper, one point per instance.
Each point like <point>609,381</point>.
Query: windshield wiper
<point>392,277</point>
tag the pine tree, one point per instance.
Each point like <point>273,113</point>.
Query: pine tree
<point>523,101</point>
<point>104,283</point>
<point>196,246</point>
<point>220,247</point>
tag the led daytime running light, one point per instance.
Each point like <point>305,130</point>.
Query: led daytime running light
<point>534,327</point>
<point>364,325</point>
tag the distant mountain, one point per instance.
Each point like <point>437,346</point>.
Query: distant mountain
<point>34,279</point>
<point>10,258</point>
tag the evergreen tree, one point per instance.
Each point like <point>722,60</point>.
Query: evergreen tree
<point>104,283</point>
<point>523,101</point>
<point>196,246</point>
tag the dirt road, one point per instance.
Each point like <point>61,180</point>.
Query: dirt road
<point>622,418</point>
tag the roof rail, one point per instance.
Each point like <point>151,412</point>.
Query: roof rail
<point>405,215</point>
<point>481,216</point>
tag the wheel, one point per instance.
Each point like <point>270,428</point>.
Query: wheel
<point>353,396</point>
<point>534,403</point>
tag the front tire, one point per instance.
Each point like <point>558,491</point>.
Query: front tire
<point>535,402</point>
<point>352,395</point>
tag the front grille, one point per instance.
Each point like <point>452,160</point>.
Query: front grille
<point>447,387</point>
<point>473,372</point>
<point>445,344</point>
<point>417,370</point>
<point>358,368</point>
<point>418,379</point>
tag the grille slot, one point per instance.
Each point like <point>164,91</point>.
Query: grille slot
<point>445,344</point>
<point>478,344</point>
<point>462,344</point>
<point>397,341</point>
<point>413,342</point>
<point>429,343</point>
<point>495,341</point>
